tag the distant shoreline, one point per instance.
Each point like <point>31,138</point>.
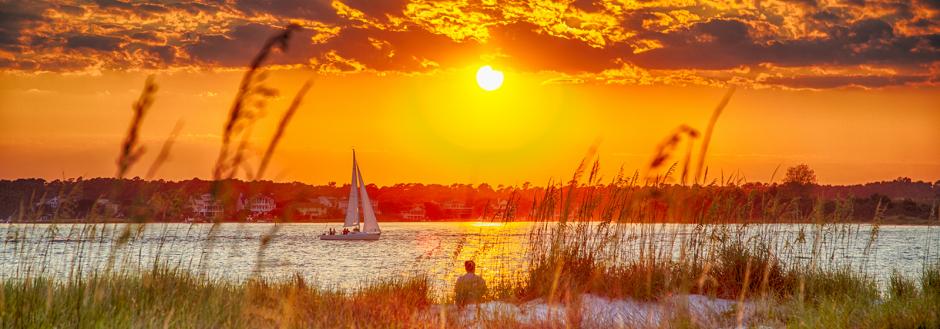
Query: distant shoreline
<point>900,221</point>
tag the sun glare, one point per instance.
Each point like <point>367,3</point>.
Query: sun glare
<point>487,224</point>
<point>489,79</point>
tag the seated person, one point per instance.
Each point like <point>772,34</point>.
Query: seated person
<point>470,287</point>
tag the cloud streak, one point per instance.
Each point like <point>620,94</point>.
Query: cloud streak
<point>787,44</point>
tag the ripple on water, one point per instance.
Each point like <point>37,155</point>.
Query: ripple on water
<point>433,249</point>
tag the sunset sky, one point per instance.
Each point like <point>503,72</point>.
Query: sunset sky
<point>849,87</point>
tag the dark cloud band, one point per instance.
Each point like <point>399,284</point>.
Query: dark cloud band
<point>901,39</point>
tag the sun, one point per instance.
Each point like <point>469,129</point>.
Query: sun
<point>489,79</point>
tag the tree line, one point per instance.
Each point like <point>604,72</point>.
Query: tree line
<point>162,200</point>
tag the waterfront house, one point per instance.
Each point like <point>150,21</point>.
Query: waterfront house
<point>206,206</point>
<point>258,205</point>
<point>456,209</point>
<point>415,213</point>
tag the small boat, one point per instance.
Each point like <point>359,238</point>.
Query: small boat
<point>358,198</point>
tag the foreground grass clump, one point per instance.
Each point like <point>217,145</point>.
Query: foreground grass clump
<point>294,304</point>
<point>906,304</point>
<point>152,299</point>
<point>173,299</point>
<point>733,271</point>
<point>163,298</point>
<point>772,277</point>
<point>647,264</point>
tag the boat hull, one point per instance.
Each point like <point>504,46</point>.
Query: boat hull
<point>352,236</point>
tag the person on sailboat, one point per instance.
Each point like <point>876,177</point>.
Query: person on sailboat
<point>365,227</point>
<point>470,287</point>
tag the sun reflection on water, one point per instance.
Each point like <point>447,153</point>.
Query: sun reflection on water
<point>487,224</point>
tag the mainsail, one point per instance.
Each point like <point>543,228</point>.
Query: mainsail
<point>352,208</point>
<point>369,223</point>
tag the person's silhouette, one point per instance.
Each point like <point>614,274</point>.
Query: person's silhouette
<point>470,287</point>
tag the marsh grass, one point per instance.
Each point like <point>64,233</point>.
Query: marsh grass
<point>250,100</point>
<point>798,278</point>
<point>130,149</point>
<point>908,303</point>
<point>163,297</point>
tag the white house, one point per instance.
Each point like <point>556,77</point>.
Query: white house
<point>456,209</point>
<point>52,202</point>
<point>415,213</point>
<point>206,205</point>
<point>328,201</point>
<point>257,205</point>
<point>318,207</point>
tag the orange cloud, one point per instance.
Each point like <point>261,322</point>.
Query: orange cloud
<point>675,40</point>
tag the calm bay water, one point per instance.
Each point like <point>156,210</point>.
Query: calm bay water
<point>234,252</point>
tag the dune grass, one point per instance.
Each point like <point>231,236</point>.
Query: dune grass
<point>614,240</point>
<point>847,302</point>
<point>163,297</point>
<point>167,298</point>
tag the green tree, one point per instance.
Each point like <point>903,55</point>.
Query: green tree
<point>800,175</point>
<point>800,180</point>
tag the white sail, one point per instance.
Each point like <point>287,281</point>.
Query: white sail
<point>369,223</point>
<point>352,207</point>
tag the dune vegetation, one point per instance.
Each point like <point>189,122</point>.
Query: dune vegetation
<point>568,265</point>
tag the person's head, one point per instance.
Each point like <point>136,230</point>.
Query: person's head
<point>470,266</point>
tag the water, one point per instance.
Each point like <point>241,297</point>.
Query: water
<point>437,250</point>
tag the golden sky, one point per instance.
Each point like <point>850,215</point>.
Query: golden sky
<point>848,87</point>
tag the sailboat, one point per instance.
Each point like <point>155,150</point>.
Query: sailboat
<point>369,228</point>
